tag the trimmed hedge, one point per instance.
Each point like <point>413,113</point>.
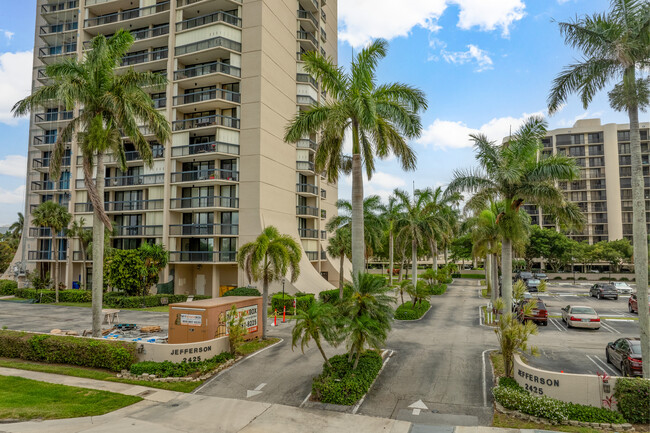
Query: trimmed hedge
<point>332,296</point>
<point>343,385</point>
<point>438,289</point>
<point>406,311</point>
<point>633,397</point>
<point>53,349</point>
<point>49,296</point>
<point>243,291</point>
<point>302,302</point>
<point>472,276</point>
<point>181,369</point>
<point>8,287</point>
<point>111,299</point>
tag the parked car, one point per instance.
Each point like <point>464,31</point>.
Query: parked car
<point>539,314</point>
<point>532,284</point>
<point>633,304</point>
<point>527,297</point>
<point>540,276</point>
<point>625,354</point>
<point>622,288</point>
<point>601,291</point>
<point>523,275</point>
<point>580,316</point>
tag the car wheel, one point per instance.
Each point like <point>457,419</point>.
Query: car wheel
<point>545,323</point>
<point>609,361</point>
<point>598,296</point>
<point>596,329</point>
<point>629,308</point>
<point>624,370</point>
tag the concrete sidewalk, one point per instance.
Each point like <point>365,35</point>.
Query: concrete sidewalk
<point>165,411</point>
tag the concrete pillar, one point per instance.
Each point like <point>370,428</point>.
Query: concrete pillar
<point>215,281</point>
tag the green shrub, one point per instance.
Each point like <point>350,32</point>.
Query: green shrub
<point>557,278</point>
<point>243,291</point>
<point>343,385</point>
<point>623,279</point>
<point>118,300</point>
<point>633,397</point>
<point>332,296</point>
<point>8,287</point>
<point>438,289</point>
<point>86,352</point>
<point>511,396</point>
<point>278,302</point>
<point>181,369</point>
<point>473,276</point>
<point>582,278</point>
<point>406,311</point>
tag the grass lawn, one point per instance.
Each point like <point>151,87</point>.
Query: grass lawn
<point>29,399</point>
<point>255,345</point>
<point>506,421</point>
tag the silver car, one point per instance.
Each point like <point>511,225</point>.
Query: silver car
<point>622,288</point>
<point>579,316</point>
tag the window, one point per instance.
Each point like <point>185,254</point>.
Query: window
<point>566,139</point>
<point>596,150</point>
<point>547,142</point>
<point>623,135</point>
<point>577,151</point>
<point>624,148</point>
<point>625,160</point>
<point>596,162</point>
<point>625,171</point>
<point>595,137</point>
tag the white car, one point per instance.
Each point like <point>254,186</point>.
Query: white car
<point>579,316</point>
<point>623,288</point>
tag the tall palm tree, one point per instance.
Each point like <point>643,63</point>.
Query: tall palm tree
<point>390,215</point>
<point>442,216</point>
<point>269,258</point>
<point>318,320</point>
<point>113,106</point>
<point>373,223</point>
<point>513,173</point>
<point>340,246</point>
<point>16,229</point>
<point>79,231</point>
<point>379,117</point>
<point>616,46</point>
<point>56,218</point>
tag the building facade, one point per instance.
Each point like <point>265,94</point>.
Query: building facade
<point>236,80</point>
<point>604,190</point>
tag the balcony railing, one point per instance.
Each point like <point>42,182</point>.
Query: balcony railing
<point>305,100</point>
<point>203,229</point>
<point>150,56</point>
<point>56,116</point>
<point>198,149</point>
<point>45,162</point>
<point>207,174</point>
<point>159,102</point>
<point>207,95</point>
<point>57,50</point>
<point>203,202</point>
<point>210,68</point>
<point>216,17</point>
<point>127,15</point>
<point>308,233</point>
<point>323,234</point>
<point>307,188</point>
<point>48,185</point>
<point>305,165</point>
<point>218,42</point>
<point>302,35</point>
<point>307,144</point>
<point>142,179</point>
<point>200,122</point>
<point>59,28</point>
<point>323,194</point>
<point>140,35</point>
<point>45,255</point>
<point>125,231</point>
<point>306,78</point>
<point>312,255</point>
<point>181,3</point>
<point>122,206</point>
<point>43,232</point>
<point>307,210</point>
<point>203,256</point>
<point>58,7</point>
<point>306,15</point>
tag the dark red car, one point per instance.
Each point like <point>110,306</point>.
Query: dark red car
<point>625,353</point>
<point>633,304</point>
<point>539,314</point>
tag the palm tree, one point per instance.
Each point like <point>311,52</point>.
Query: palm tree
<point>369,314</point>
<point>79,231</point>
<point>16,229</point>
<point>113,106</point>
<point>373,223</point>
<point>442,216</point>
<point>56,217</point>
<point>485,242</point>
<point>318,320</point>
<point>339,246</point>
<point>390,215</point>
<point>615,46</point>
<point>511,172</point>
<point>379,117</point>
<point>269,258</point>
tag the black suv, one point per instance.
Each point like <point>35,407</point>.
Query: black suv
<point>523,275</point>
<point>602,290</point>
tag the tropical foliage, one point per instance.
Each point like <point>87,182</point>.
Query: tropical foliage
<point>134,272</point>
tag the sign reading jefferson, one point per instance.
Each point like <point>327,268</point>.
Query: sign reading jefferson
<point>536,382</point>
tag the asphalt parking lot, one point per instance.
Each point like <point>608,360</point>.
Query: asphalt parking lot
<point>581,351</point>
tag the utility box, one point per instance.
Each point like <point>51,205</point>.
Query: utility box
<point>207,319</point>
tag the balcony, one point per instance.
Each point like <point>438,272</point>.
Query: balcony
<point>57,29</point>
<point>312,255</point>
<point>50,53</point>
<point>208,69</point>
<point>307,211</point>
<point>308,20</point>
<point>48,185</point>
<point>127,231</point>
<point>305,166</point>
<point>202,256</point>
<point>139,58</point>
<point>46,120</point>
<point>305,188</point>
<point>122,206</point>
<point>182,3</point>
<point>208,44</point>
<point>311,5</point>
<point>142,179</point>
<point>129,156</point>
<point>131,14</point>
<point>44,232</point>
<point>307,79</point>
<point>141,35</point>
<point>42,164</point>
<point>207,174</point>
<point>307,40</point>
<point>206,121</point>
<point>44,256</point>
<point>203,230</point>
<point>204,202</point>
<point>323,234</point>
<point>208,99</point>
<point>308,233</point>
<point>207,149</point>
<point>306,100</point>
<point>323,194</point>
<point>59,7</point>
<point>217,17</point>
<point>307,144</point>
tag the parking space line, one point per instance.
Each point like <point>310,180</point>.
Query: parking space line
<point>601,364</point>
<point>559,327</point>
<point>610,328</point>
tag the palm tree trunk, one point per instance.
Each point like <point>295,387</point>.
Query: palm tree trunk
<point>322,352</point>
<point>639,230</point>
<point>356,361</point>
<point>55,275</point>
<point>488,270</point>
<point>445,253</point>
<point>98,247</point>
<point>341,260</point>
<point>434,254</point>
<point>390,257</point>
<point>495,277</point>
<point>414,260</point>
<point>506,273</point>
<point>85,268</point>
<point>401,270</point>
<point>265,306</point>
<point>358,242</point>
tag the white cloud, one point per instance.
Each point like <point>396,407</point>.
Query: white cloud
<point>381,184</point>
<point>364,20</point>
<point>12,197</point>
<point>15,82</point>
<point>7,34</point>
<point>568,123</point>
<point>13,165</point>
<point>446,134</point>
<point>473,54</point>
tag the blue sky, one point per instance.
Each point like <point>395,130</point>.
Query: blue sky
<point>483,64</point>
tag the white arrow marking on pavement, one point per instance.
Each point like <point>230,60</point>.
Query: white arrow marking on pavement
<point>260,386</point>
<point>416,411</point>
<point>418,405</point>
<point>256,391</point>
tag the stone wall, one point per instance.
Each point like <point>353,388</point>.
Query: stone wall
<point>187,352</point>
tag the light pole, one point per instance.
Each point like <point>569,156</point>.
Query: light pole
<point>283,280</point>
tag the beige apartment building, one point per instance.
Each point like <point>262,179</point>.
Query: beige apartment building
<point>604,191</point>
<point>236,79</point>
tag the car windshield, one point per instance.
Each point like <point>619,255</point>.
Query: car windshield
<point>609,287</point>
<point>635,347</point>
<point>526,275</point>
<point>582,310</point>
<point>532,281</point>
<point>621,284</point>
<point>540,275</point>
